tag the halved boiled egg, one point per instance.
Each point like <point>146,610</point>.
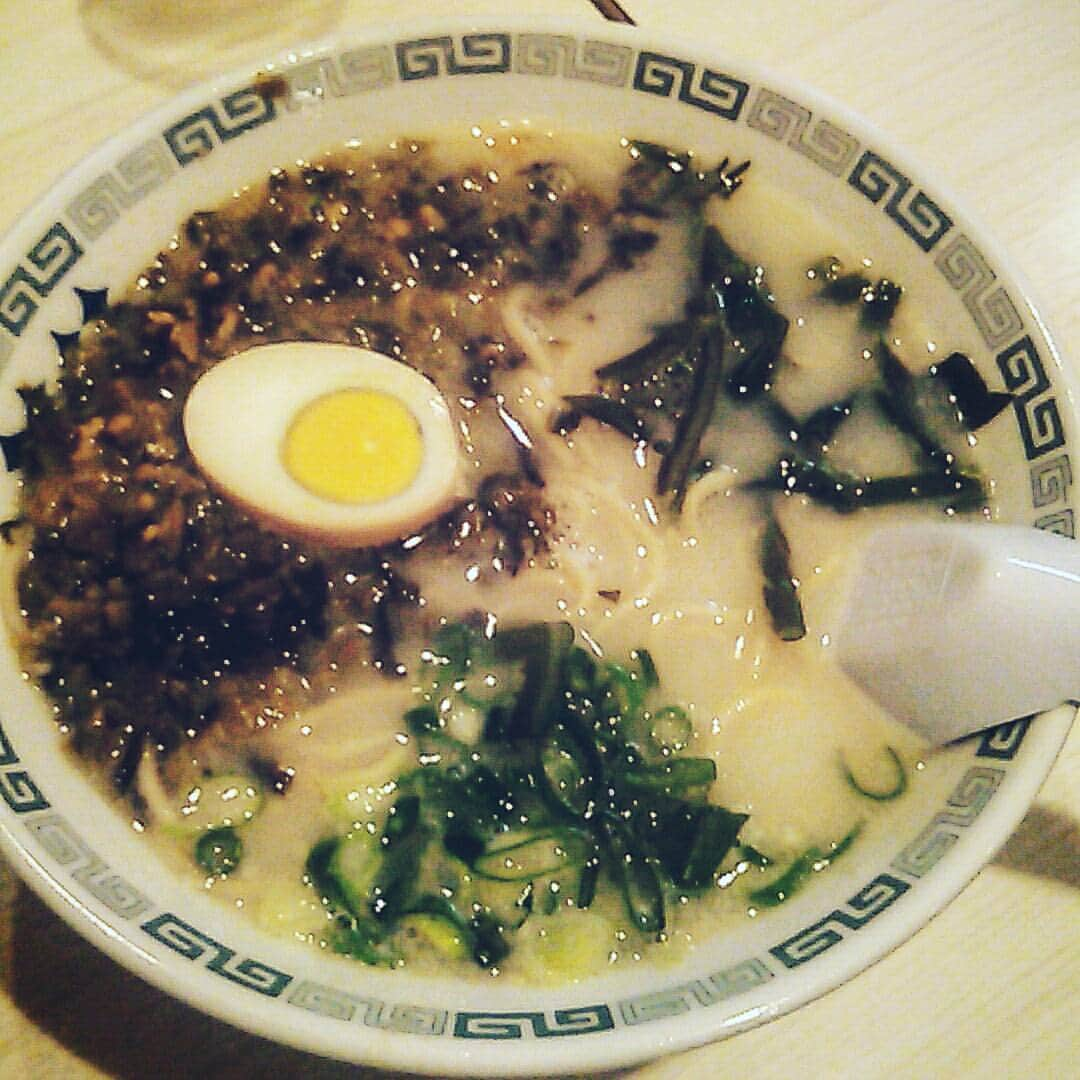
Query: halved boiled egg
<point>330,442</point>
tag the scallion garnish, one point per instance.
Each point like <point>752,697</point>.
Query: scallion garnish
<point>810,862</point>
<point>899,786</point>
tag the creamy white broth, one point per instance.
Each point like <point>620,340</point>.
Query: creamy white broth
<point>626,571</point>
<point>773,715</point>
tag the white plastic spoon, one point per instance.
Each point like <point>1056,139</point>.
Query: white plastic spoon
<point>956,627</point>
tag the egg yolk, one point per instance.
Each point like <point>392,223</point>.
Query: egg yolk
<point>354,446</point>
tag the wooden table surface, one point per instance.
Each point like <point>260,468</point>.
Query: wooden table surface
<point>986,95</point>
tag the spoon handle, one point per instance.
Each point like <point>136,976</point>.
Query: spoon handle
<point>957,627</point>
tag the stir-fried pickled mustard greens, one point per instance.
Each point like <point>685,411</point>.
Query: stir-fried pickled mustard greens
<point>577,775</point>
<point>145,584</point>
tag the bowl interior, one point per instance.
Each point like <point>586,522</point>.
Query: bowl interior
<point>105,221</point>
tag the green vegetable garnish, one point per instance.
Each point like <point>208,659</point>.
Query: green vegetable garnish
<point>898,788</point>
<point>219,851</point>
<point>578,777</point>
<point>811,861</point>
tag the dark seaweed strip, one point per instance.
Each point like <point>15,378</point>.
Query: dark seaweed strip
<point>715,834</point>
<point>843,288</point>
<point>899,401</point>
<point>879,303</point>
<point>805,476</point>
<point>730,287</point>
<point>388,591</point>
<point>978,404</point>
<point>729,180</point>
<point>687,839</point>
<point>271,774</point>
<point>820,426</point>
<point>845,493</point>
<point>780,590</point>
<point>616,414</point>
<point>782,421</point>
<point>963,491</point>
<point>670,340</point>
<point>658,154</point>
<point>905,419</point>
<point>752,375</point>
<point>625,244</point>
<point>708,378</point>
<point>124,773</point>
<point>879,299</point>
<point>11,449</point>
<point>660,177</point>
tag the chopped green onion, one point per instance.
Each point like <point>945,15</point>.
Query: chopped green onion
<point>674,776</point>
<point>571,769</point>
<point>540,854</point>
<point>404,839</point>
<point>899,784</point>
<point>812,861</point>
<point>218,851</point>
<point>638,881</point>
<point>359,938</point>
<point>646,667</point>
<point>666,730</point>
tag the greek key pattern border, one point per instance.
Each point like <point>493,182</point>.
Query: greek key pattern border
<point>56,835</point>
<point>967,801</point>
<point>815,137</point>
<point>818,138</point>
<point>991,308</point>
<point>1038,418</point>
<point>138,171</point>
<point>142,169</point>
<point>869,902</point>
<point>108,197</point>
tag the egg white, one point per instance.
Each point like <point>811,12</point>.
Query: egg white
<point>238,413</point>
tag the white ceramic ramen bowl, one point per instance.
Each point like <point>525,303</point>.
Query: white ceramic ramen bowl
<point>107,219</point>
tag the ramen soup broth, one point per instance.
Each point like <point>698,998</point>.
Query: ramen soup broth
<point>301,762</point>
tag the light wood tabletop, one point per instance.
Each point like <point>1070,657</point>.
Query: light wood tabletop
<point>985,94</point>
